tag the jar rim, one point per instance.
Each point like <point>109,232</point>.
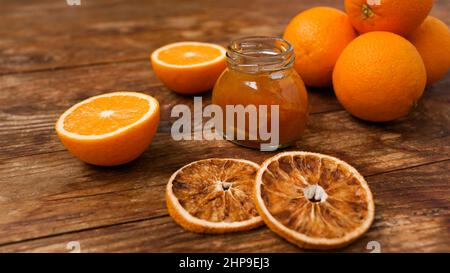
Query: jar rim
<point>286,51</point>
<point>260,53</point>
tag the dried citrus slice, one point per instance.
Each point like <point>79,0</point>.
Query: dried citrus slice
<point>313,200</point>
<point>189,67</point>
<point>214,196</point>
<point>109,129</point>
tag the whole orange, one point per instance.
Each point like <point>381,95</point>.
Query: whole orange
<point>318,35</point>
<point>398,16</point>
<point>432,40</point>
<point>379,76</point>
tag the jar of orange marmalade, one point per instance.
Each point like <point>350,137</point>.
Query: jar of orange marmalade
<point>260,76</point>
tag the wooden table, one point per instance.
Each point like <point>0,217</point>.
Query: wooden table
<point>53,55</point>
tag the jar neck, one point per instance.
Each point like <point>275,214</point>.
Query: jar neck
<point>260,54</point>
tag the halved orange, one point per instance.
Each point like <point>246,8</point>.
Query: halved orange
<point>214,196</point>
<point>312,200</point>
<point>109,129</point>
<point>189,67</point>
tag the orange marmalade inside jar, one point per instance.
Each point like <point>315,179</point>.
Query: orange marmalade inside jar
<point>260,73</point>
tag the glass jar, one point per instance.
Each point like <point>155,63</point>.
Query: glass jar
<point>260,74</point>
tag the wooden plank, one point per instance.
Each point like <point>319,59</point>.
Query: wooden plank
<point>412,215</point>
<point>106,31</point>
<point>31,103</point>
<point>117,31</point>
<point>55,193</point>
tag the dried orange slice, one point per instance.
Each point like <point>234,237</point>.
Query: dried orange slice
<point>313,200</point>
<point>189,67</point>
<point>109,129</point>
<point>214,196</point>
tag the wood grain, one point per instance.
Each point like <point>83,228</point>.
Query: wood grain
<point>117,31</point>
<point>406,205</point>
<point>31,103</point>
<point>48,34</point>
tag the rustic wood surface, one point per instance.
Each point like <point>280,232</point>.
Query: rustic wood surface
<point>53,55</point>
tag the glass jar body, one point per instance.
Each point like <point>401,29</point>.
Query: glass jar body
<point>283,87</point>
